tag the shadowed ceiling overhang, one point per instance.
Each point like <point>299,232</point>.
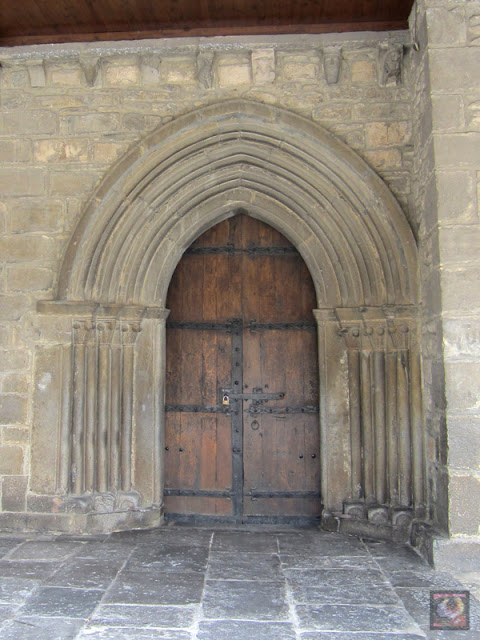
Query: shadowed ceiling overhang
<point>237,155</point>
<point>55,21</point>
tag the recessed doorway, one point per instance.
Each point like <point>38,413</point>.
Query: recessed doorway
<point>242,431</point>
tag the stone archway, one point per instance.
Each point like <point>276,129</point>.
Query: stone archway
<point>190,174</point>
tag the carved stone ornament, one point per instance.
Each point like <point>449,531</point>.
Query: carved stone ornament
<point>332,60</point>
<point>390,59</point>
<point>204,69</point>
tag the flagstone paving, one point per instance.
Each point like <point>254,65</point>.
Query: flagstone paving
<point>185,583</point>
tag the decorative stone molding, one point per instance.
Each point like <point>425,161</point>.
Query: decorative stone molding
<point>99,442</point>
<point>390,60</point>
<point>385,407</point>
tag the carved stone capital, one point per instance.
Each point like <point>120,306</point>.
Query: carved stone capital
<point>83,331</point>
<point>129,332</point>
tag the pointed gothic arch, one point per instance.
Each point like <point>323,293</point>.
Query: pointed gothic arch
<point>185,177</point>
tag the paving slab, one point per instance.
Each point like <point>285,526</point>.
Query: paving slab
<point>168,557</point>
<point>41,629</point>
<point>244,541</point>
<point>44,551</point>
<point>340,617</point>
<point>235,599</point>
<point>245,630</point>
<point>16,590</point>
<point>132,587</point>
<point>156,616</point>
<point>28,569</point>
<point>62,602</point>
<point>358,635</point>
<point>120,633</point>
<point>86,573</point>
<point>244,566</point>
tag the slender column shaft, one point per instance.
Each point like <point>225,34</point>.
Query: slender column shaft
<point>392,427</point>
<point>403,413</point>
<point>116,413</point>
<point>379,417</point>
<point>417,433</point>
<point>103,413</point>
<point>78,418</point>
<point>91,414</point>
<point>367,435</point>
<point>127,410</point>
<point>355,423</point>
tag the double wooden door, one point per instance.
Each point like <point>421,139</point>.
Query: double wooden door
<point>242,436</point>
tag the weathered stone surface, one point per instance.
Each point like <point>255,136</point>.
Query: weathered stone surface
<point>11,460</point>
<point>233,70</point>
<point>457,201</point>
<point>464,494</point>
<point>31,214</point>
<point>22,181</point>
<point>62,602</point>
<point>14,489</point>
<point>22,278</point>
<point>26,247</point>
<point>13,409</point>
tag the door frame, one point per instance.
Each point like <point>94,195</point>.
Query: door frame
<point>354,239</point>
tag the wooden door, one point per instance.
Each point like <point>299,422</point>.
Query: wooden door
<point>242,434</point>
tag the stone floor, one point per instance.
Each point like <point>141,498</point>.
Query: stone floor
<point>180,583</point>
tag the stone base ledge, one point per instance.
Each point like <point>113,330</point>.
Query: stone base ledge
<point>79,523</point>
<point>457,555</point>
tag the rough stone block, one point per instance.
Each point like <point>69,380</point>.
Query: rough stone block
<point>381,111</point>
<point>460,245</point>
<point>454,68</point>
<point>11,460</point>
<point>333,111</point>
<point>233,70</point>
<point>108,152</point>
<point>464,494</point>
<point>464,442</point>
<point>14,359</point>
<point>25,278</point>
<point>15,434</point>
<point>456,197</point>
<point>66,77</point>
<point>12,307</point>
<point>29,122</point>
<point>463,387</point>
<point>263,66</point>
<point>13,409</point>
<point>32,214</point>
<point>382,159</point>
<point>60,151</point>
<point>14,489</point>
<point>448,113</point>
<point>472,10</point>
<point>300,67</point>
<point>115,75</point>
<point>381,134</point>
<point>446,26</point>
<point>14,382</point>
<point>177,70</point>
<point>22,181</point>
<point>457,288</point>
<point>67,183</point>
<point>26,247</point>
<point>364,72</point>
<point>458,150</point>
<point>92,123</point>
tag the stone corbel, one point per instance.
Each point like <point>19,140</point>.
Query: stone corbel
<point>332,61</point>
<point>37,73</point>
<point>91,68</point>
<point>205,68</point>
<point>390,59</point>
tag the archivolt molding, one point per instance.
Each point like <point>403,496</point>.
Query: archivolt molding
<point>202,168</point>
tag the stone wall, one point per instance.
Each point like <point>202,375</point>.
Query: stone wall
<point>451,34</point>
<point>68,113</point>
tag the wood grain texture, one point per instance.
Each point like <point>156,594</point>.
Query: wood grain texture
<point>258,446</point>
<point>49,21</point>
